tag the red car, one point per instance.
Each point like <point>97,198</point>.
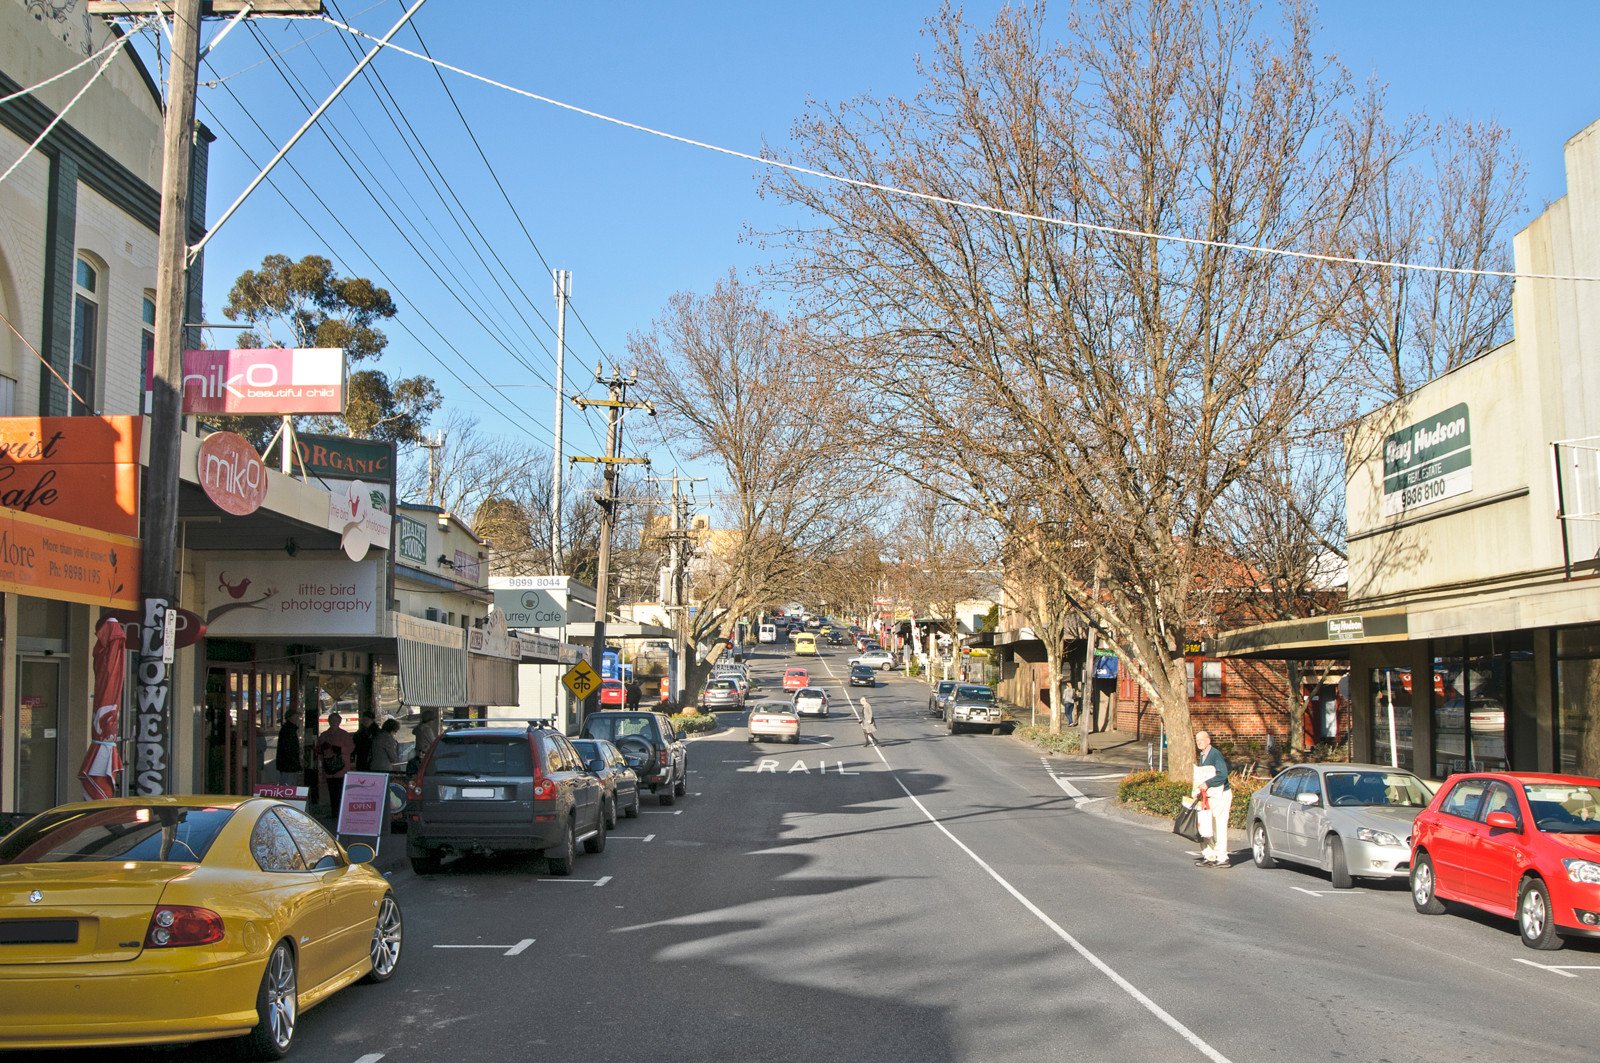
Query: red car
<point>613,694</point>
<point>1520,845</point>
<point>796,678</point>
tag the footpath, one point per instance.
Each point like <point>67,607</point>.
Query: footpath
<point>1114,751</point>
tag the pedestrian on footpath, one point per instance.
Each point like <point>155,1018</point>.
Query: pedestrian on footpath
<point>1212,788</point>
<point>1069,702</point>
<point>365,735</point>
<point>386,747</point>
<point>426,734</point>
<point>287,761</point>
<point>335,752</point>
<point>869,730</point>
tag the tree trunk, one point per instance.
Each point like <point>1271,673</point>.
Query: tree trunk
<point>1053,669</point>
<point>1171,684</point>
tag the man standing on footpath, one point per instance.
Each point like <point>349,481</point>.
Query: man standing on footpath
<point>335,754</point>
<point>1212,786</point>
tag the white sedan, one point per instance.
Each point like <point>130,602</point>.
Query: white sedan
<point>810,701</point>
<point>776,722</point>
<point>882,660</point>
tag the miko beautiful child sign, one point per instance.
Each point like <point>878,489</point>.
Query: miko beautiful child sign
<point>280,380</point>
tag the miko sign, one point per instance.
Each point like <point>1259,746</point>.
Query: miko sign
<point>581,679</point>
<point>280,380</point>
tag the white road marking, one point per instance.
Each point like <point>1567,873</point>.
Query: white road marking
<point>657,812</point>
<point>632,838</point>
<point>510,950</point>
<point>1079,798</point>
<point>568,878</point>
<point>1563,969</point>
<point>370,1057</point>
<point>1092,778</point>
<point>1325,893</point>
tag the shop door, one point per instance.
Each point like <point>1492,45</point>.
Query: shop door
<point>244,709</point>
<point>39,735</point>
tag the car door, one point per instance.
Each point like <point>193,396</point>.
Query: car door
<point>1290,841</point>
<point>1498,856</point>
<point>587,791</point>
<point>352,896</point>
<point>1275,809</point>
<point>1454,836</point>
<point>315,928</point>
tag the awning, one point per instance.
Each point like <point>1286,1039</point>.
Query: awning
<point>491,681</point>
<point>583,632</point>
<point>433,663</point>
<point>1313,638</point>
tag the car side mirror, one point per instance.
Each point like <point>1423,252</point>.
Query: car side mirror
<point>360,853</point>
<point>1501,821</point>
<point>597,766</point>
<point>1309,800</point>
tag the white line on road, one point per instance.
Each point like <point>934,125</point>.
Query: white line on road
<point>1092,778</point>
<point>589,881</point>
<point>632,838</point>
<point>510,950</point>
<point>370,1057</point>
<point>1554,970</point>
<point>657,812</point>
<point>1561,968</point>
<point>1325,893</point>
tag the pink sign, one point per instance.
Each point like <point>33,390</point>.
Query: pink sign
<point>294,795</point>
<point>231,473</point>
<point>279,380</point>
<point>362,804</point>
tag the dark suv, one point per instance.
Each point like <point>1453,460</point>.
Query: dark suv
<point>651,746</point>
<point>504,788</point>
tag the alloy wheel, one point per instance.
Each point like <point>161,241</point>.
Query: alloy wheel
<point>282,994</point>
<point>1534,914</point>
<point>386,939</point>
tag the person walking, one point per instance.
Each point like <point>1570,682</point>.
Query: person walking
<point>364,737</point>
<point>427,733</point>
<point>386,747</point>
<point>335,753</point>
<point>1069,702</point>
<point>1211,786</point>
<point>288,762</point>
<point>869,729</point>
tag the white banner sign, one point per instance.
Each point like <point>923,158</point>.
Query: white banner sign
<point>266,594</point>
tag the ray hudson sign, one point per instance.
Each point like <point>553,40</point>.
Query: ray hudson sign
<point>1427,461</point>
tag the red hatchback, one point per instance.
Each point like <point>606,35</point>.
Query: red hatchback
<point>796,679</point>
<point>613,694</point>
<point>1519,845</point>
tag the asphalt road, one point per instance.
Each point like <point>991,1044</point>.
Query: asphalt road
<point>941,898</point>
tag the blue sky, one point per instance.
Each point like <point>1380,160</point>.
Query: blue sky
<point>636,218</point>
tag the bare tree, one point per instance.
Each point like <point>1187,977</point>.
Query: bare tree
<point>1096,383</point>
<point>942,558</point>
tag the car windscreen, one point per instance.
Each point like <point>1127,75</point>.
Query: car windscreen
<point>946,686</point>
<point>1564,808</point>
<point>808,692</point>
<point>974,694</point>
<point>860,669</point>
<point>156,833</point>
<point>1365,789</point>
<point>720,684</point>
<point>483,755</point>
<point>613,726</point>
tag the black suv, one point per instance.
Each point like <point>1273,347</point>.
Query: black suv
<point>651,746</point>
<point>504,788</point>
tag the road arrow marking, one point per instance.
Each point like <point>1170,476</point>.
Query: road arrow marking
<point>510,950</point>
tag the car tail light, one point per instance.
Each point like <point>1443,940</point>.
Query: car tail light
<point>177,925</point>
<point>662,756</point>
<point>545,790</point>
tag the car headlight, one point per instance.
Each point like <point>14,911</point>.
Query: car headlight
<point>1586,871</point>
<point>1377,837</point>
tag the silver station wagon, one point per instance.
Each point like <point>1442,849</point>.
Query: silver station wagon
<point>1351,820</point>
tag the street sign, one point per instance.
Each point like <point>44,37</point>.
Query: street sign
<point>581,679</point>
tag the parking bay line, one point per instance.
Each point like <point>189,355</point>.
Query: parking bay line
<point>1563,969</point>
<point>657,812</point>
<point>1325,893</point>
<point>601,881</point>
<point>509,950</point>
<point>632,838</point>
<point>370,1057</point>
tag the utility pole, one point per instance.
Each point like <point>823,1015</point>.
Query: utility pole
<point>563,286</point>
<point>436,443</point>
<point>676,539</point>
<point>618,386</point>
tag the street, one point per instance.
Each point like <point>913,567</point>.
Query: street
<point>940,899</point>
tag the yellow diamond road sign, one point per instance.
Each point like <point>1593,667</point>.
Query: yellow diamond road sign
<point>581,679</point>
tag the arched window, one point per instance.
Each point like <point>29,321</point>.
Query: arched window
<point>86,295</point>
<point>147,350</point>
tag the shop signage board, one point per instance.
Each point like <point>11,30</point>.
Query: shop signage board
<point>581,679</point>
<point>411,539</point>
<point>48,558</point>
<point>280,380</point>
<point>539,648</point>
<point>231,473</point>
<point>265,594</point>
<point>359,513</point>
<point>188,628</point>
<point>530,608</point>
<point>493,640</point>
<point>285,792</point>
<point>79,470</point>
<point>1428,461</point>
<point>1346,628</point>
<point>342,458</point>
<point>363,806</point>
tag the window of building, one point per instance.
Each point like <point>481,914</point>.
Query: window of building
<point>1391,717</point>
<point>1210,678</point>
<point>1578,701</point>
<point>147,350</point>
<point>86,295</point>
<point>1475,682</point>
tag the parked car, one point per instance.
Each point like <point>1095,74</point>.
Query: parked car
<point>863,675</point>
<point>882,660</point>
<point>810,701</point>
<point>613,693</point>
<point>940,696</point>
<point>1520,845</point>
<point>651,746</point>
<point>779,722</point>
<point>504,788</point>
<point>972,706</point>
<point>240,909</point>
<point>795,678</point>
<point>621,782</point>
<point>721,694</point>
<point>1350,820</point>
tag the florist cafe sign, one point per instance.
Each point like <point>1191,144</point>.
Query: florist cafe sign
<point>1427,461</point>
<point>278,380</point>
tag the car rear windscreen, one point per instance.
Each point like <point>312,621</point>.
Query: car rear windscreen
<point>613,726</point>
<point>119,832</point>
<point>483,755</point>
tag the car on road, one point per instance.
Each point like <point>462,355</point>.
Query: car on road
<point>940,696</point>
<point>767,633</point>
<point>863,675</point>
<point>1350,820</point>
<point>168,919</point>
<point>882,660</point>
<point>1521,845</point>
<point>778,721</point>
<point>721,695</point>
<point>651,746</point>
<point>795,678</point>
<point>805,644</point>
<point>972,706</point>
<point>621,782</point>
<point>810,701</point>
<point>504,788</point>
<point>613,693</point>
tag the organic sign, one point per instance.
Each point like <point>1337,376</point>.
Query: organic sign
<point>280,380</point>
<point>342,458</point>
<point>46,558</point>
<point>1427,461</point>
<point>231,473</point>
<point>81,470</point>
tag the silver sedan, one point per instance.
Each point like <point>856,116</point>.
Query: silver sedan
<point>1351,820</point>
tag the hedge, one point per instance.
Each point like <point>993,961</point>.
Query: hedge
<point>1066,741</point>
<point>1155,794</point>
<point>694,724</point>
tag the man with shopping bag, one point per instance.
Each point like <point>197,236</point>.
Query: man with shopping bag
<point>1214,796</point>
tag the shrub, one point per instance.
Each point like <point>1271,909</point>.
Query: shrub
<point>696,723</point>
<point>1153,793</point>
<point>1065,742</point>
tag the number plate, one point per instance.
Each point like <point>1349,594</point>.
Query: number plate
<point>38,931</point>
<point>479,793</point>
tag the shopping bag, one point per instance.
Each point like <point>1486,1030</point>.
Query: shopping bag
<point>1203,823</point>
<point>1187,823</point>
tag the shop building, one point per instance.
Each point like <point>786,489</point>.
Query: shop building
<point>1472,628</point>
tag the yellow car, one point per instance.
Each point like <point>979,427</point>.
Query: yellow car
<point>150,920</point>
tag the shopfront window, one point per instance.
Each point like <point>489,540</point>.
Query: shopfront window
<point>1391,717</point>
<point>1578,701</point>
<point>1475,681</point>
